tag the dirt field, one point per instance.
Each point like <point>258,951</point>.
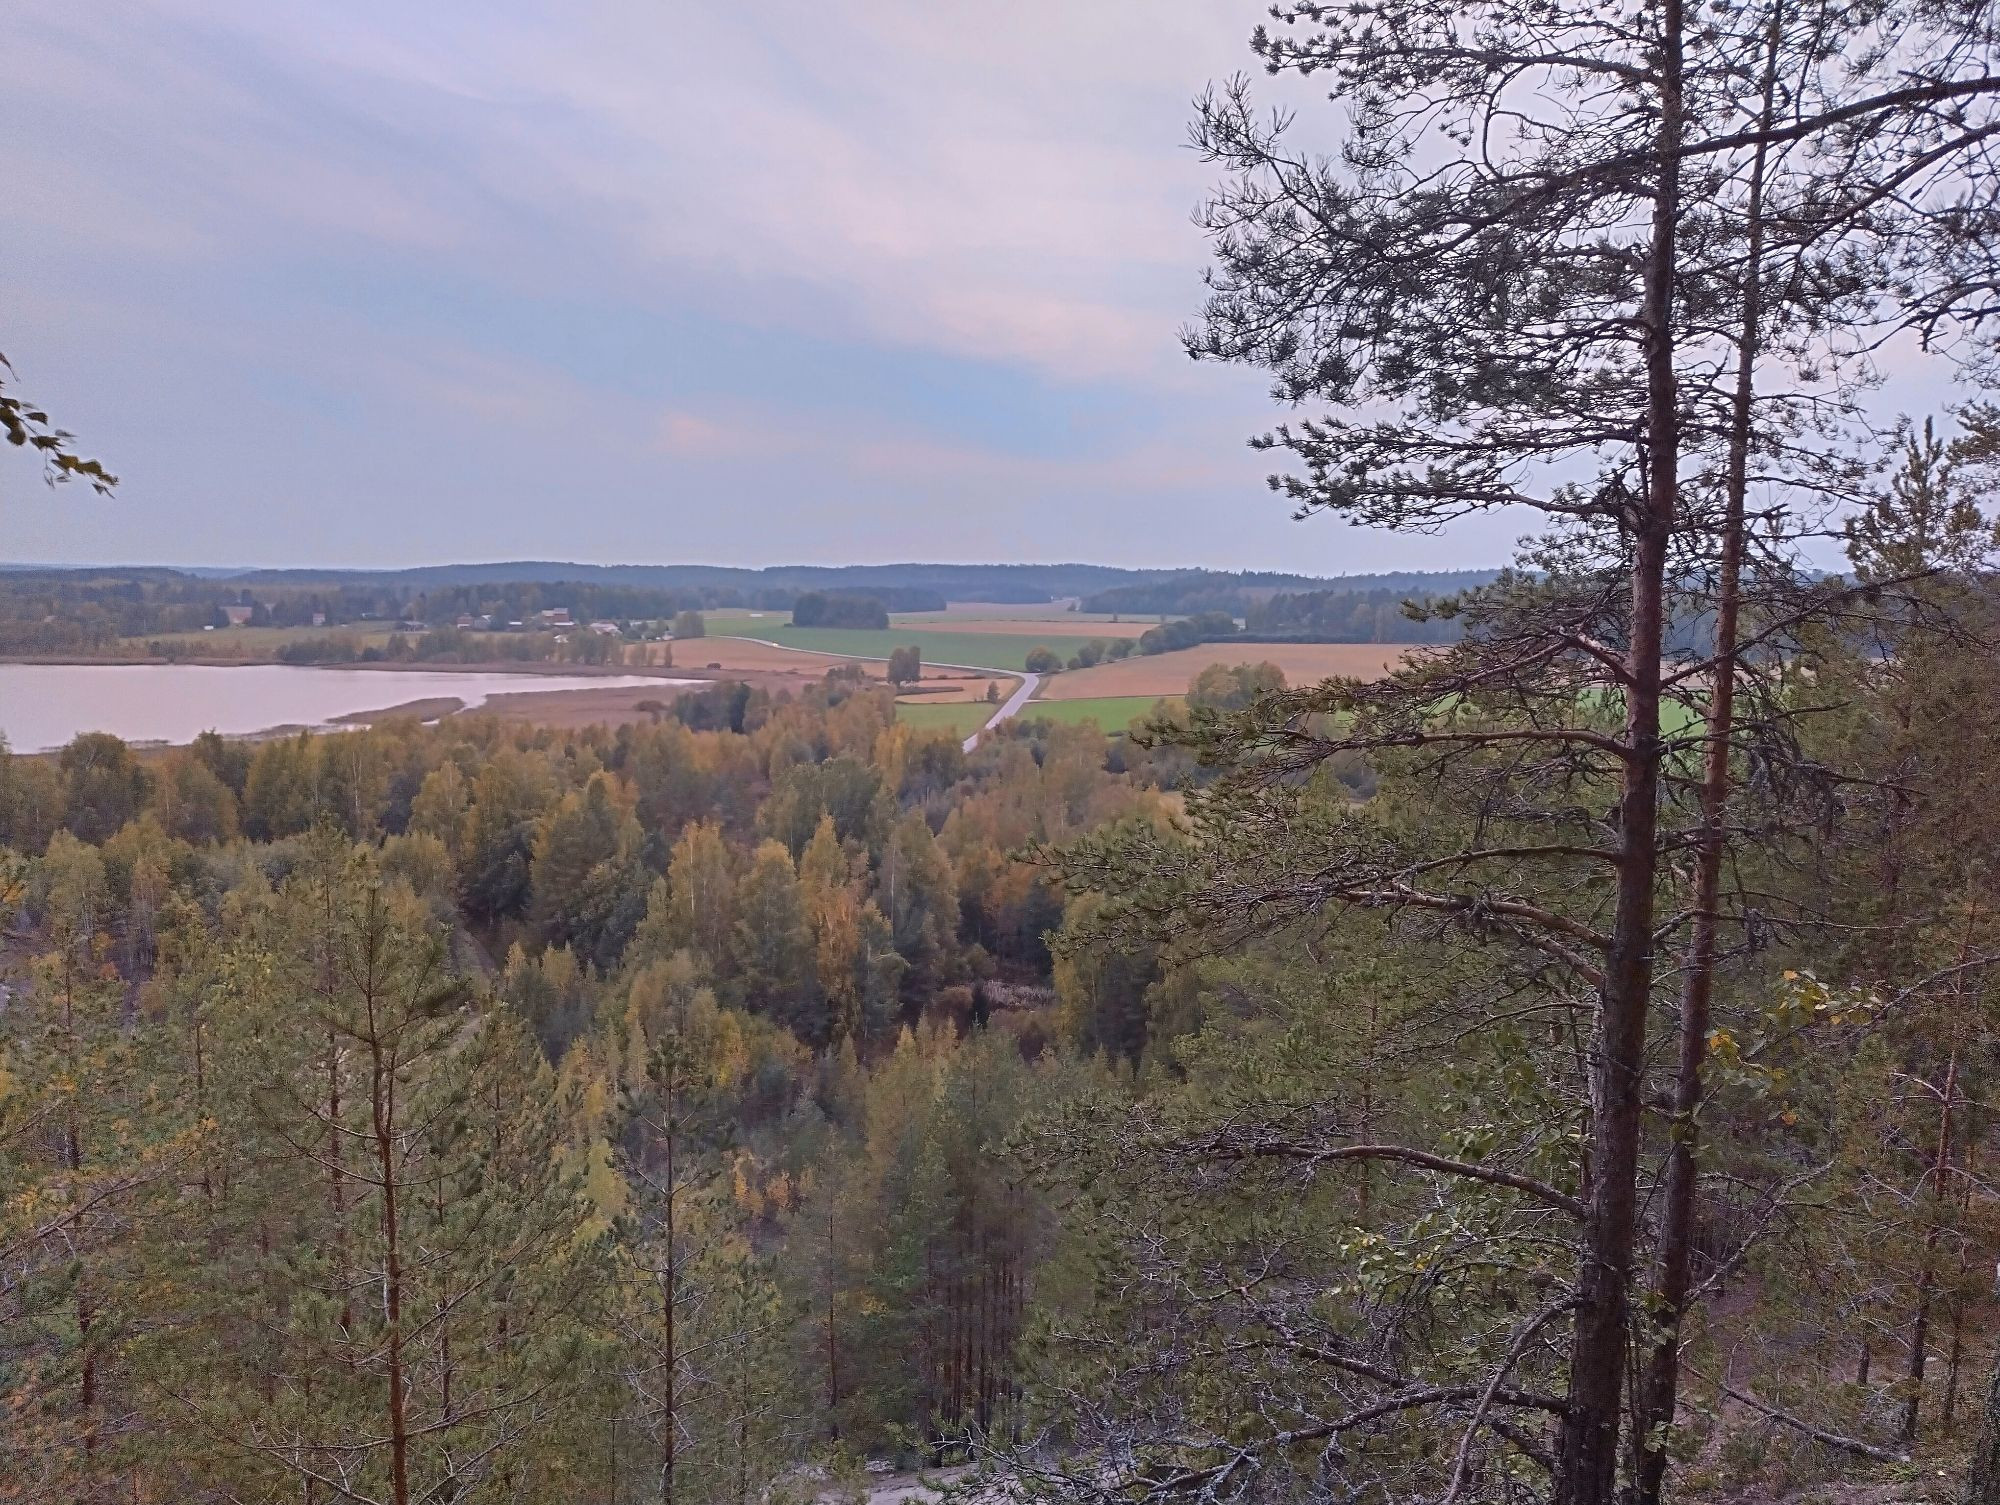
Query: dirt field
<point>1169,673</point>
<point>740,656</point>
<point>946,687</point>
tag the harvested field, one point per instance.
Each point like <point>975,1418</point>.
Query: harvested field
<point>1169,673</point>
<point>991,650</point>
<point>740,656</point>
<point>956,686</point>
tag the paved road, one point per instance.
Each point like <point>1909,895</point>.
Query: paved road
<point>1010,707</point>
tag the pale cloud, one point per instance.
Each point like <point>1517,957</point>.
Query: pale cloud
<point>625,279</point>
<point>883,452</point>
<point>690,434</point>
<point>935,179</point>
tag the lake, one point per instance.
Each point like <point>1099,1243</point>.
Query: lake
<point>42,706</point>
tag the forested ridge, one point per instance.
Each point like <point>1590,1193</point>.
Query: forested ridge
<point>409,1114</point>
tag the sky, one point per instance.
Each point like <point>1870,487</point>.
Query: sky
<point>382,283</point>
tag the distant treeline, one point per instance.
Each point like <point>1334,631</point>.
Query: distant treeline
<point>1241,594</point>
<point>82,611</point>
<point>1328,616</point>
<point>838,609</point>
<point>1005,583</point>
<point>1350,616</point>
<point>56,611</point>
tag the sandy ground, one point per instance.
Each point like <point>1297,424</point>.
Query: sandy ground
<point>1169,673</point>
<point>432,709</point>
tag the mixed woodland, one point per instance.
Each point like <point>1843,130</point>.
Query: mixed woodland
<point>1562,1070</point>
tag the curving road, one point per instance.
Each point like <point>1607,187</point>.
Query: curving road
<point>1009,707</point>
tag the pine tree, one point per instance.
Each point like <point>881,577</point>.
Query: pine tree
<point>397,1227</point>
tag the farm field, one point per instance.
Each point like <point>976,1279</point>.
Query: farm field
<point>1169,673</point>
<point>1040,611</point>
<point>739,622</point>
<point>1113,713</point>
<point>743,655</point>
<point>986,650</point>
<point>1066,625</point>
<point>962,716</point>
<point>943,685</point>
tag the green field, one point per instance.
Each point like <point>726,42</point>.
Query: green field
<point>1113,713</point>
<point>961,716</point>
<point>744,624</point>
<point>1064,621</point>
<point>982,650</point>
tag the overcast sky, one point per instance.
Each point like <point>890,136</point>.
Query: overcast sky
<point>387,283</point>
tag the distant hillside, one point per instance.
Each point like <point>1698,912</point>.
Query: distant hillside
<point>1000,583</point>
<point>1240,594</point>
<point>525,608</point>
<point>48,609</point>
<point>1103,587</point>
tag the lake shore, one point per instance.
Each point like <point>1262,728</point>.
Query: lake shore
<point>43,706</point>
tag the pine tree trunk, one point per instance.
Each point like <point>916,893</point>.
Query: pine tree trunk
<point>1920,1326</point>
<point>1956,1355</point>
<point>73,1159</point>
<point>383,1102</point>
<point>1587,1447</point>
<point>1659,1387</point>
<point>669,1301</point>
<point>1982,1486</point>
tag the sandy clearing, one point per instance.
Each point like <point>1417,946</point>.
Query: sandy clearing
<point>1169,673</point>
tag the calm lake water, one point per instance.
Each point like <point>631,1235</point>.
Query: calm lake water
<point>42,706</point>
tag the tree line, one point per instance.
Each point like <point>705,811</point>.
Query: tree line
<point>90,611</point>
